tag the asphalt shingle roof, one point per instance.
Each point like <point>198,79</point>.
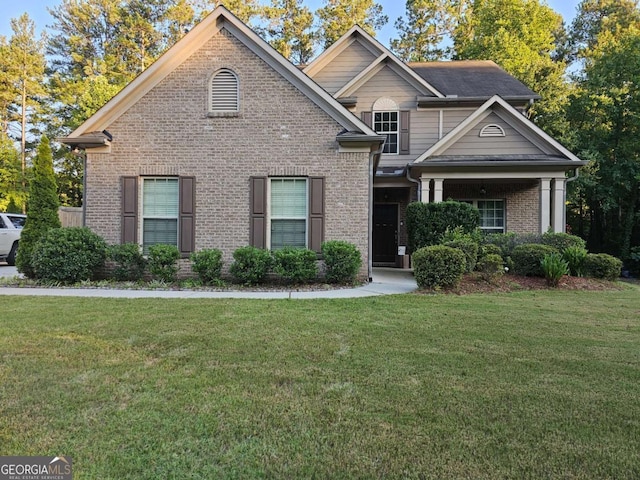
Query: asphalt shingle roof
<point>471,78</point>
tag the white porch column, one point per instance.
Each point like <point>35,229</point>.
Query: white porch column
<point>426,189</point>
<point>545,204</point>
<point>437,189</point>
<point>559,209</point>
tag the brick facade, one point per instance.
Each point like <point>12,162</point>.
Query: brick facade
<point>278,132</point>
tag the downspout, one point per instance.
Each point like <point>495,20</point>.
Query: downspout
<point>416,181</point>
<point>372,156</point>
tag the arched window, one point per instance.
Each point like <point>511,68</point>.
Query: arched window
<point>492,130</point>
<point>386,122</point>
<point>224,92</point>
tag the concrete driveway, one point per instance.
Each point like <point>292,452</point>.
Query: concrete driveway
<point>7,271</point>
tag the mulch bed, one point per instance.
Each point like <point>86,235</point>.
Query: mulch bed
<point>474,283</point>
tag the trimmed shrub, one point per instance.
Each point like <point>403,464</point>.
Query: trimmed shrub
<point>554,268</point>
<point>490,266</point>
<point>207,264</point>
<point>506,242</point>
<point>602,265</point>
<point>438,266</point>
<point>562,241</point>
<point>427,223</point>
<point>342,261</point>
<point>129,261</point>
<point>489,249</point>
<point>296,265</point>
<point>470,250</point>
<point>163,262</point>
<point>68,255</point>
<point>526,259</point>
<point>250,265</point>
<point>575,257</point>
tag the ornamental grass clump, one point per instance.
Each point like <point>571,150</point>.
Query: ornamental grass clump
<point>554,268</point>
<point>575,257</point>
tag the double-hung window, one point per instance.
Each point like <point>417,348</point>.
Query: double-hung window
<point>386,123</point>
<point>160,212</point>
<point>288,212</point>
<point>492,215</point>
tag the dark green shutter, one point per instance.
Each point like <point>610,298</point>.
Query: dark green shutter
<point>316,213</point>
<point>187,216</point>
<point>129,223</point>
<point>258,212</point>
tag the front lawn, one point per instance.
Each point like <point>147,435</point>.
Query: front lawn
<point>525,385</point>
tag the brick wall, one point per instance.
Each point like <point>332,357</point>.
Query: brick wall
<point>278,131</point>
<point>522,201</point>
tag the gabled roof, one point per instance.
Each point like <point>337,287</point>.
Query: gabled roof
<point>218,19</point>
<point>383,56</point>
<point>472,79</point>
<point>511,114</point>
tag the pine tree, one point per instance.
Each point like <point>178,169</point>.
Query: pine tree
<point>338,16</point>
<point>42,211</point>
<point>289,29</point>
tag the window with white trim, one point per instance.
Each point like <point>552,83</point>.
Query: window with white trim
<point>159,211</point>
<point>288,212</point>
<point>492,215</point>
<point>386,123</point>
<point>224,92</point>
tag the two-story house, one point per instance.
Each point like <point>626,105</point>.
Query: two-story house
<point>222,142</point>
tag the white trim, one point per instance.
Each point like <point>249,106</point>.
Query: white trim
<point>143,217</point>
<point>482,112</point>
<point>270,216</point>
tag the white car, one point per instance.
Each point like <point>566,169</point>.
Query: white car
<point>10,227</point>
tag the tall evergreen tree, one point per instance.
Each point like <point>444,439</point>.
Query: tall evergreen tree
<point>289,29</point>
<point>338,16</point>
<point>427,25</point>
<point>10,175</point>
<point>42,211</point>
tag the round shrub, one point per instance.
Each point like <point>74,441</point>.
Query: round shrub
<point>129,261</point>
<point>470,250</point>
<point>601,265</point>
<point>526,259</point>
<point>69,255</point>
<point>488,249</point>
<point>428,222</point>
<point>506,242</point>
<point>207,264</point>
<point>163,262</point>
<point>296,265</point>
<point>562,241</point>
<point>438,266</point>
<point>250,265</point>
<point>490,266</point>
<point>342,261</point>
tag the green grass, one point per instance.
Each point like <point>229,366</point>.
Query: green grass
<point>528,385</point>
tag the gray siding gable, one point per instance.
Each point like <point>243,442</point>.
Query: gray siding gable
<point>342,69</point>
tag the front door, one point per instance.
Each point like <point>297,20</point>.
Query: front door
<point>385,233</point>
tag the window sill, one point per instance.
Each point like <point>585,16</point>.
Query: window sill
<point>223,114</point>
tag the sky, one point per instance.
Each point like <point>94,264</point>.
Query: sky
<point>37,10</point>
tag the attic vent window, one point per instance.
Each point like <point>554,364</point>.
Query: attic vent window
<point>492,130</point>
<point>223,93</point>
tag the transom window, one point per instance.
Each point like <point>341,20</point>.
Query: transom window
<point>223,94</point>
<point>159,212</point>
<point>288,212</point>
<point>386,123</point>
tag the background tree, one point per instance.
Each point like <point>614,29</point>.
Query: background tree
<point>12,196</point>
<point>290,29</point>
<point>42,211</point>
<point>338,16</point>
<point>427,25</point>
<point>604,113</point>
<point>520,36</point>
<point>245,10</point>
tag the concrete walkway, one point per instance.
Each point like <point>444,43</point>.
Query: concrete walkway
<point>386,281</point>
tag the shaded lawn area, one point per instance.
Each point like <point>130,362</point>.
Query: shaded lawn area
<point>527,385</point>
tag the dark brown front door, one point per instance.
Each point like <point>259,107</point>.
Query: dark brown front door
<point>385,233</point>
